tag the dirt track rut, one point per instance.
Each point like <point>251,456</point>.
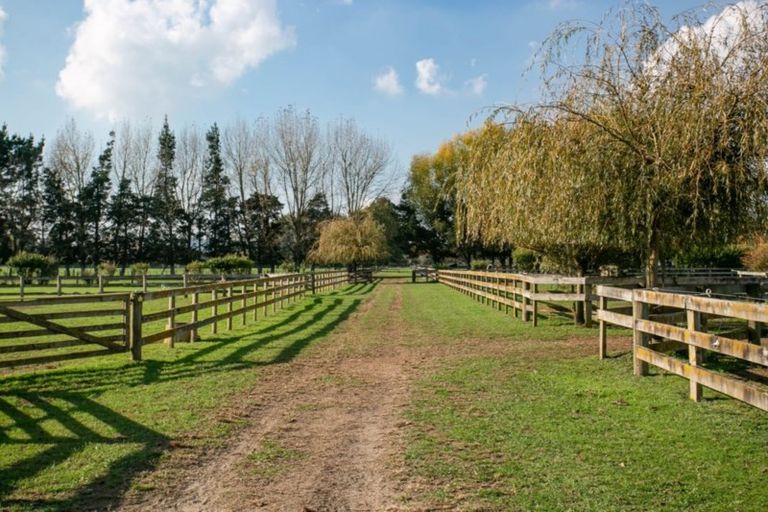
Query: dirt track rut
<point>323,431</point>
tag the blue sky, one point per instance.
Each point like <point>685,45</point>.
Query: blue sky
<point>323,55</point>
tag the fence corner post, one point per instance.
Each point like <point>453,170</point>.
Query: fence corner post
<point>136,302</point>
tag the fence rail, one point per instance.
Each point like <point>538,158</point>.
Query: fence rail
<point>70,327</point>
<point>523,293</point>
<point>656,334</point>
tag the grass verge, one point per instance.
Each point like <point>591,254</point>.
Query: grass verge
<point>529,419</point>
<point>75,437</point>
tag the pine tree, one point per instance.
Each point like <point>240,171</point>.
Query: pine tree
<point>57,216</point>
<point>121,218</point>
<point>216,204</point>
<point>166,208</point>
<point>95,198</point>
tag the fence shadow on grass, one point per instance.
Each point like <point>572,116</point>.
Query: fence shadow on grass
<point>56,418</point>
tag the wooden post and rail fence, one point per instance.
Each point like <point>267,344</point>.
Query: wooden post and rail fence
<point>662,322</point>
<point>126,322</point>
<point>653,316</point>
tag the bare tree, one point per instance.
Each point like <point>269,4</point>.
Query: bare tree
<point>141,164</point>
<point>123,150</point>
<point>239,158</point>
<point>360,164</point>
<point>296,150</point>
<point>261,168</point>
<point>190,161</point>
<point>72,157</point>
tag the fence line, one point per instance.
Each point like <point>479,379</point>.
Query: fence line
<point>128,321</point>
<point>522,293</point>
<point>654,335</point>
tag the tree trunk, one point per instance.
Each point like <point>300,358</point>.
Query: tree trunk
<point>652,266</point>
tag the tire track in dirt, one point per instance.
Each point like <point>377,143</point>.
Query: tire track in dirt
<point>324,432</point>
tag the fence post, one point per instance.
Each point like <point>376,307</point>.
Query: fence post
<point>195,316</point>
<point>312,282</point>
<point>603,333</point>
<point>535,304</point>
<point>639,338</point>
<point>587,305</point>
<point>136,301</point>
<point>266,295</point>
<point>215,311</point>
<point>255,301</point>
<point>171,320</point>
<point>230,301</point>
<point>694,354</point>
<point>21,287</point>
<point>144,283</point>
<point>244,304</point>
<point>526,300</point>
<point>185,279</point>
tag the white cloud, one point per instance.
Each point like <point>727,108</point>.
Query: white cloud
<point>478,84</point>
<point>721,34</point>
<point>3,17</point>
<point>143,56</point>
<point>388,82</point>
<point>428,78</point>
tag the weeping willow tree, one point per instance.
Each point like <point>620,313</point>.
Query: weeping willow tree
<point>656,139</point>
<point>533,185</point>
<point>351,241</point>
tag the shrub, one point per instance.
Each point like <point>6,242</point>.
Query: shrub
<point>480,264</point>
<point>230,264</point>
<point>728,256</point>
<point>526,260</point>
<point>287,267</point>
<point>107,268</point>
<point>756,257</point>
<point>139,269</point>
<point>30,264</point>
<point>195,267</point>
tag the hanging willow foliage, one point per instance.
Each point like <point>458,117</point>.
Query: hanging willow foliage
<point>351,241</point>
<point>656,139</point>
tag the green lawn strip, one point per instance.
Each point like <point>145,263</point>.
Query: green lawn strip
<point>453,316</point>
<point>537,430</point>
<point>78,433</point>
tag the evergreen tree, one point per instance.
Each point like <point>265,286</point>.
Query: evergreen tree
<point>94,201</point>
<point>122,221</point>
<point>218,208</point>
<point>57,216</point>
<point>166,208</point>
<point>264,217</point>
<point>20,168</point>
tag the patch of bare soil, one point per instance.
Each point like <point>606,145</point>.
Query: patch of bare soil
<point>323,433</point>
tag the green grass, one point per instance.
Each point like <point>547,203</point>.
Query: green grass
<point>503,417</point>
<point>541,426</point>
<point>80,433</point>
<point>271,458</point>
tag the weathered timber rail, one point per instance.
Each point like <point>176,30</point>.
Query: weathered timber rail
<point>63,328</point>
<point>522,294</point>
<point>61,285</point>
<point>528,294</point>
<point>656,336</point>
